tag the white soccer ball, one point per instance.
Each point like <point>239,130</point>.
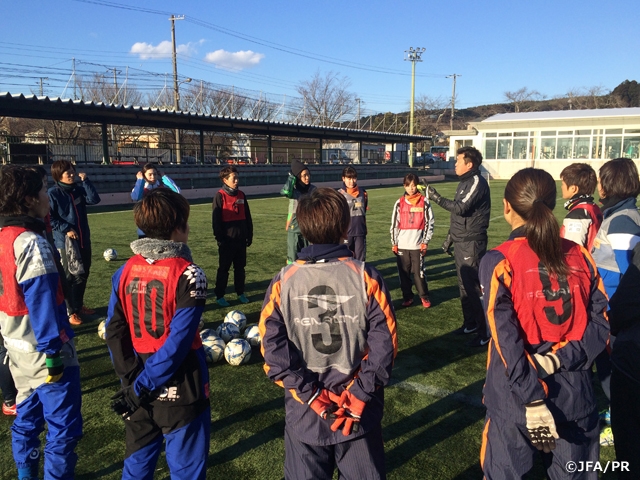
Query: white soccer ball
<point>237,352</point>
<point>237,317</point>
<point>110,254</point>
<point>102,331</point>
<point>252,335</point>
<point>228,331</point>
<point>213,345</point>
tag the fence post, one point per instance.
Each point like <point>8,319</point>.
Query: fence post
<point>106,159</point>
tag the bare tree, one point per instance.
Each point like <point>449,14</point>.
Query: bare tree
<point>591,97</point>
<point>326,98</point>
<point>521,98</point>
<point>430,112</point>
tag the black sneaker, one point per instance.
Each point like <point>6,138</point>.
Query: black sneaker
<point>464,330</point>
<point>478,341</point>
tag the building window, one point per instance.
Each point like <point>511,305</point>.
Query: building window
<point>504,149</point>
<point>520,148</point>
<point>581,147</point>
<point>612,147</point>
<point>596,147</point>
<point>631,147</point>
<point>548,148</point>
<point>489,149</point>
<point>565,148</point>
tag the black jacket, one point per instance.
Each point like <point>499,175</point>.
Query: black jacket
<point>470,208</point>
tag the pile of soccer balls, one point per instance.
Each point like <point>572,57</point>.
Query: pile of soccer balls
<point>226,340</point>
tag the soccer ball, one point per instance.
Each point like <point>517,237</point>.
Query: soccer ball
<point>110,254</point>
<point>102,331</point>
<point>228,331</point>
<point>213,345</point>
<point>237,317</point>
<point>237,352</point>
<point>252,335</point>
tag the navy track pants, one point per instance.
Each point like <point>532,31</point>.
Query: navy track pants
<point>362,457</point>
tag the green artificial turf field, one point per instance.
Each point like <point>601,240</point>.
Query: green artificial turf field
<point>433,411</point>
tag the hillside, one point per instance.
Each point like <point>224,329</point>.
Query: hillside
<point>431,122</point>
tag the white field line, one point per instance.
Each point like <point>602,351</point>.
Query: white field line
<point>438,392</point>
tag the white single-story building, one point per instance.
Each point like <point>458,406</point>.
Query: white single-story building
<point>552,140</point>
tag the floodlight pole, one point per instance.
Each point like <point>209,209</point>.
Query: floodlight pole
<point>413,56</point>
<point>176,93</point>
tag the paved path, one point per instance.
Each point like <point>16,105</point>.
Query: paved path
<point>123,198</point>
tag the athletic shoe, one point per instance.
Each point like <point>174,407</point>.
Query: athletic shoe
<point>407,303</point>
<point>9,409</point>
<point>222,302</point>
<point>243,299</point>
<point>605,416</point>
<point>87,311</point>
<point>426,303</point>
<point>477,341</point>
<point>74,319</point>
<point>606,437</point>
<point>464,330</point>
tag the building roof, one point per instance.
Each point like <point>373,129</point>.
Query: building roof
<point>564,115</point>
<point>79,111</point>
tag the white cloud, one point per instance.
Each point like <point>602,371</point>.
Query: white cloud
<point>234,60</point>
<point>163,50</point>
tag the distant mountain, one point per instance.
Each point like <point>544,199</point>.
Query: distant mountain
<point>430,122</point>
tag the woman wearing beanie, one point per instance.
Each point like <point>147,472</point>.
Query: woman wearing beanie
<point>298,184</point>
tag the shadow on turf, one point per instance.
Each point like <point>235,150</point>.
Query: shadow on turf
<point>256,440</point>
<point>458,409</point>
<point>103,472</point>
<point>457,417</point>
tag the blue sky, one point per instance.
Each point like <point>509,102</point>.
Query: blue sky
<point>496,46</point>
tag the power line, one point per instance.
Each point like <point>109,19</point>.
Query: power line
<point>263,42</point>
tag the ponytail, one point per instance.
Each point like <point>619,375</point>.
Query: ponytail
<point>532,195</point>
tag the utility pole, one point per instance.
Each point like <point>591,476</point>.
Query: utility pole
<point>453,98</point>
<point>75,82</point>
<point>176,93</point>
<point>413,56</point>
<point>42,79</point>
<point>115,102</point>
<point>358,122</point>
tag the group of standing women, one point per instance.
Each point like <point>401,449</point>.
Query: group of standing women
<point>546,301</point>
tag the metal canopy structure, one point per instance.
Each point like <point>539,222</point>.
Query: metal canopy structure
<point>46,108</point>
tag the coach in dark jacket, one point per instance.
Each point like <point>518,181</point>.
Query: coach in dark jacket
<point>470,211</point>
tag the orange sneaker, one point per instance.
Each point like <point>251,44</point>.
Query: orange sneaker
<point>87,311</point>
<point>74,319</point>
<point>425,302</point>
<point>9,409</point>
